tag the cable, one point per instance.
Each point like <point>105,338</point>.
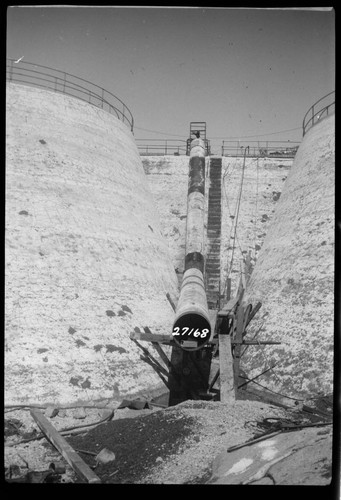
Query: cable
<point>236,239</point>
<point>157,132</point>
<point>222,137</point>
<point>256,209</point>
<point>237,210</point>
<point>257,135</point>
<point>280,394</point>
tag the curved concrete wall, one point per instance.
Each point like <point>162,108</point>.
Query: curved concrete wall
<point>294,276</point>
<point>85,259</point>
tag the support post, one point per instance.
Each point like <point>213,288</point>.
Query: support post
<point>227,386</point>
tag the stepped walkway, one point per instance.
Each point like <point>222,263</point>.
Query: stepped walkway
<point>213,235</point>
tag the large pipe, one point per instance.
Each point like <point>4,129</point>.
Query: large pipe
<point>192,327</point>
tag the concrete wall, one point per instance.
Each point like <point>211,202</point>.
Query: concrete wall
<point>244,229</point>
<point>85,259</point>
<point>262,186</point>
<point>294,275</point>
<point>167,178</point>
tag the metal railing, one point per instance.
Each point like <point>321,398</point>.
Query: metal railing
<point>322,108</point>
<point>158,147</point>
<point>258,149</point>
<point>59,81</point>
<point>177,147</point>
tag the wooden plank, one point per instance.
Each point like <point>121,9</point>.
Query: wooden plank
<point>268,398</point>
<point>242,273</point>
<point>161,338</point>
<point>253,441</point>
<point>238,339</point>
<point>156,366</point>
<point>239,324</point>
<point>248,267</point>
<point>240,295</point>
<point>149,356</point>
<point>227,389</point>
<point>156,369</point>
<point>170,301</point>
<point>215,378</point>
<point>72,458</point>
<point>240,286</point>
<point>247,313</point>
<point>225,311</point>
<point>253,312</point>
<point>255,342</point>
<point>162,355</point>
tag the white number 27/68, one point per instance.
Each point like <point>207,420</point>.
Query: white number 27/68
<point>195,332</point>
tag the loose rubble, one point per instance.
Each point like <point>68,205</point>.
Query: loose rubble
<point>176,445</point>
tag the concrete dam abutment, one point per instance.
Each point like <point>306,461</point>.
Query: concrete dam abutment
<point>294,275</point>
<point>86,263</point>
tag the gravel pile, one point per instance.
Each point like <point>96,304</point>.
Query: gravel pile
<point>173,445</point>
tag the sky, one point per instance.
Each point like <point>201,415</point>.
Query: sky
<point>250,74</point>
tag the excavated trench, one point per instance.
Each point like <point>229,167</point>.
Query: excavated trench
<point>181,444</point>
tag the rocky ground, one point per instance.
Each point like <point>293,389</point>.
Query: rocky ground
<point>185,444</point>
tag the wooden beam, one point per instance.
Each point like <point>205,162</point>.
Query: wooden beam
<point>215,378</point>
<point>170,301</point>
<point>238,340</point>
<point>72,458</point>
<point>248,267</point>
<point>255,342</point>
<point>253,313</point>
<point>162,355</point>
<point>257,376</point>
<point>227,389</point>
<point>153,337</point>
<point>149,356</point>
<point>156,366</point>
<point>225,311</point>
<point>241,286</point>
<point>242,274</point>
<point>247,313</point>
<point>156,369</point>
